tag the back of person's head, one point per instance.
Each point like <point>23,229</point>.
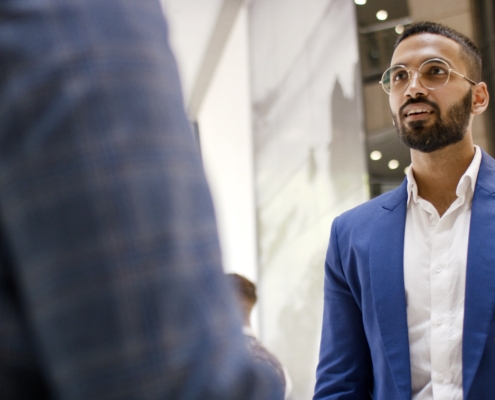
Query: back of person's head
<point>470,54</point>
<point>245,291</point>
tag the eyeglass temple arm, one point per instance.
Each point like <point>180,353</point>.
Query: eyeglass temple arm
<point>465,77</point>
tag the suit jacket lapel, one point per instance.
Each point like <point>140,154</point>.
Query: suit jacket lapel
<point>480,274</point>
<point>387,285</point>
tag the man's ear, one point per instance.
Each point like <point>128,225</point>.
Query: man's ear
<point>480,98</point>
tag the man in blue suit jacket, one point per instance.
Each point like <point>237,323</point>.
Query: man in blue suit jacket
<point>410,275</point>
<point>110,278</point>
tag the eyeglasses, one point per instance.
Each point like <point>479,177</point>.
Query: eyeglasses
<point>433,74</point>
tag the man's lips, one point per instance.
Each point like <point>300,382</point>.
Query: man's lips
<point>417,111</point>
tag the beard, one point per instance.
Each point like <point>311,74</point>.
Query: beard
<point>442,133</point>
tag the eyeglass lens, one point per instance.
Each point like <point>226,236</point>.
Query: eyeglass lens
<point>433,74</point>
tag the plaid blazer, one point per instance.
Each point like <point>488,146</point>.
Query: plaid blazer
<point>110,279</point>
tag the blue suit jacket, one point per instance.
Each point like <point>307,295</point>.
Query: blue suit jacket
<point>364,346</point>
<point>111,285</point>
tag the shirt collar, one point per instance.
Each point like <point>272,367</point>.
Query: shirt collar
<point>468,180</point>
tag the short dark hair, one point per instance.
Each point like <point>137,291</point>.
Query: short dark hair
<point>244,288</point>
<point>470,54</point>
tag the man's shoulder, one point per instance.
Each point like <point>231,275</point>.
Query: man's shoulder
<point>261,354</point>
<point>486,173</point>
<point>366,210</point>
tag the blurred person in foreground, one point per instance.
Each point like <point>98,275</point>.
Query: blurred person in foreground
<point>245,293</point>
<point>110,279</point>
<point>410,275</point>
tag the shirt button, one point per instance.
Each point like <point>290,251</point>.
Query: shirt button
<point>439,321</point>
<point>439,377</point>
<point>438,270</point>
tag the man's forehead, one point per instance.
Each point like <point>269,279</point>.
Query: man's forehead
<point>424,46</point>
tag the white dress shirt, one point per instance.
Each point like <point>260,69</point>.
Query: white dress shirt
<point>435,257</point>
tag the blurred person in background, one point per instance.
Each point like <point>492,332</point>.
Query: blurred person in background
<point>110,279</point>
<point>245,293</point>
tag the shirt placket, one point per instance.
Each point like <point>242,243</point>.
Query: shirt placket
<point>440,288</point>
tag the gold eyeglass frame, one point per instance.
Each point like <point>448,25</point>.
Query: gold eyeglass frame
<point>419,76</point>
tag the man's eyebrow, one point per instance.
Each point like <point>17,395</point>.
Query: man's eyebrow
<point>422,62</point>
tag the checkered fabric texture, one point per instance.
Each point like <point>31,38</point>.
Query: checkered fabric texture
<point>110,278</point>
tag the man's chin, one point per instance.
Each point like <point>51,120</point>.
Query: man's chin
<point>414,136</point>
<point>419,144</point>
<point>416,125</point>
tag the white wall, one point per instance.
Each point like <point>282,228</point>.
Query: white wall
<point>191,23</point>
<point>224,123</point>
<point>226,145</point>
<point>288,155</point>
<point>309,161</point>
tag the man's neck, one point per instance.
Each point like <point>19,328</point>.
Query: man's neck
<point>437,174</point>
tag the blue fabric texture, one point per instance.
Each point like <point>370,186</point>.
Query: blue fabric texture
<point>364,351</point>
<point>111,284</point>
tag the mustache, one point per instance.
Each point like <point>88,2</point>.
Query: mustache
<point>419,100</point>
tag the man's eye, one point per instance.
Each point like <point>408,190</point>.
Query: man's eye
<point>399,76</point>
<point>436,71</point>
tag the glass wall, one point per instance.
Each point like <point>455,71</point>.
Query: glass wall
<point>309,162</point>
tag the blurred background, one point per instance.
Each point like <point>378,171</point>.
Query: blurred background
<point>294,128</point>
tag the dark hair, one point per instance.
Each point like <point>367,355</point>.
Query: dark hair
<point>244,288</point>
<point>470,54</point>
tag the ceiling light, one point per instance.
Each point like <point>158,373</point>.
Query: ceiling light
<point>399,29</point>
<point>382,15</point>
<point>360,2</point>
<point>406,170</point>
<point>376,155</point>
<point>393,164</point>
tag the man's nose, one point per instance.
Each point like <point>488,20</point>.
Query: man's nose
<point>415,87</point>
